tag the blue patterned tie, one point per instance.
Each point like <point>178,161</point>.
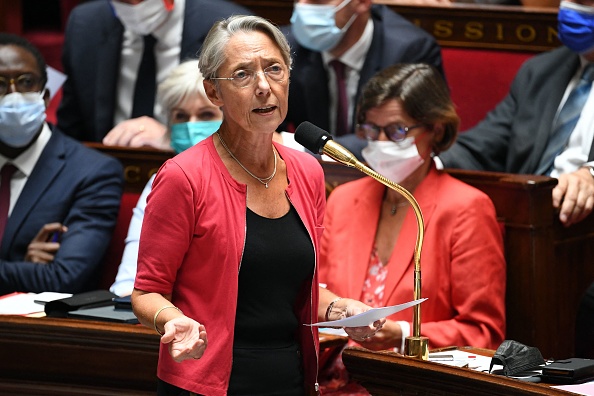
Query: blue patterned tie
<point>566,121</point>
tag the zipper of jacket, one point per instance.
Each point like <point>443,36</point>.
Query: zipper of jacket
<point>244,233</point>
<point>316,384</point>
<point>239,269</point>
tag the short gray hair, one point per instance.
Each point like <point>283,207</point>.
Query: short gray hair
<point>183,82</point>
<point>212,54</point>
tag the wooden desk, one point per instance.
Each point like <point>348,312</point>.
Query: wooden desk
<point>53,356</point>
<point>387,373</point>
<point>68,357</point>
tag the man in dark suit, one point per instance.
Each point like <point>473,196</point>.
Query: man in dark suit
<point>365,38</point>
<point>515,136</point>
<point>102,57</point>
<point>59,200</point>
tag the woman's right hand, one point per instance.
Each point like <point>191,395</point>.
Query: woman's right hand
<point>186,338</point>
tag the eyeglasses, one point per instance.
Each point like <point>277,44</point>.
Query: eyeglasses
<point>23,83</point>
<point>243,78</point>
<point>394,132</point>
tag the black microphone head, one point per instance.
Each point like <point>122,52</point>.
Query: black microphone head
<point>311,137</point>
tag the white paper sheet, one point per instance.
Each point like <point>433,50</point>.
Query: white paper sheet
<point>461,359</point>
<point>586,389</point>
<point>55,79</point>
<point>24,303</point>
<point>368,317</point>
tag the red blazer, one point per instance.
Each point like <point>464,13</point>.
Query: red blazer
<point>462,260</point>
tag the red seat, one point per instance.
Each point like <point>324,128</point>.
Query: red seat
<point>479,79</point>
<point>113,256</point>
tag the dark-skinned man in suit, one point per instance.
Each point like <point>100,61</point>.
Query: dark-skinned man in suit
<point>63,198</point>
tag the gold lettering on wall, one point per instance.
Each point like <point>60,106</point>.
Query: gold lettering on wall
<point>552,35</point>
<point>132,174</point>
<point>525,33</point>
<point>489,32</point>
<point>474,31</point>
<point>443,29</point>
<point>499,31</point>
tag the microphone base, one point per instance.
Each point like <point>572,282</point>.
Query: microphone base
<point>417,347</point>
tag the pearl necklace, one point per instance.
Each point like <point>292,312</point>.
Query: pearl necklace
<point>263,180</point>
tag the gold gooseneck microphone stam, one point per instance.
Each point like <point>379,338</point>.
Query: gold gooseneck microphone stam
<point>318,141</point>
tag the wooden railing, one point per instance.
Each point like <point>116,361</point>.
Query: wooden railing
<point>387,374</point>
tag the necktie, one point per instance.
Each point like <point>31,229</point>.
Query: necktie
<point>566,121</point>
<point>342,104</point>
<point>146,81</point>
<point>5,177</point>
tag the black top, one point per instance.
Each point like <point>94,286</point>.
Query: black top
<point>277,265</point>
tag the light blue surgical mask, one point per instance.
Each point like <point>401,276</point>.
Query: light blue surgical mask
<point>576,27</point>
<point>314,25</point>
<point>21,118</point>
<point>186,134</point>
<point>142,18</point>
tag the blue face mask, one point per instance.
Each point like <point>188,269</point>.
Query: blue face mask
<point>576,27</point>
<point>21,118</point>
<point>186,134</point>
<point>314,25</point>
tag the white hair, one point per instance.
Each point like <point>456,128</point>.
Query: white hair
<point>183,82</point>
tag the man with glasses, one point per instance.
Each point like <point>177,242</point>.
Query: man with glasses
<point>339,45</point>
<point>59,200</point>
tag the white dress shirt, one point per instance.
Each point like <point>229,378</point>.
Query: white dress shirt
<point>575,155</point>
<point>167,51</point>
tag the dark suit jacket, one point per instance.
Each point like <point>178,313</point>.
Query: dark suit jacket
<point>394,40</point>
<point>513,136</point>
<point>91,60</point>
<point>78,187</point>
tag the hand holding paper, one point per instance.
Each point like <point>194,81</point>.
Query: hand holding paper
<point>369,317</point>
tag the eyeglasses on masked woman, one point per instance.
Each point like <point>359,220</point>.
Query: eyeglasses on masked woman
<point>394,132</point>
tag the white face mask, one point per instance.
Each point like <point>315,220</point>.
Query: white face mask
<point>142,18</point>
<point>21,118</point>
<point>394,160</point>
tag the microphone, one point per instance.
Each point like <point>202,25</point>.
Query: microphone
<point>316,140</point>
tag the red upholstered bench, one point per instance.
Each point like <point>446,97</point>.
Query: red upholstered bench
<point>113,256</point>
<point>479,79</point>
